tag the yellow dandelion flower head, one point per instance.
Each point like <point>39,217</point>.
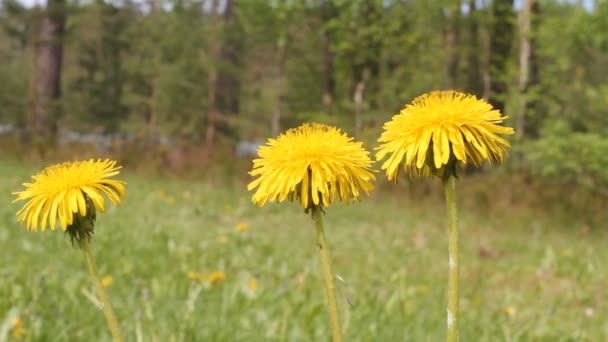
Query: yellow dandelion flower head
<point>60,191</point>
<point>440,128</point>
<point>314,164</point>
<point>510,311</point>
<point>216,277</point>
<point>252,283</point>
<point>107,281</point>
<point>17,328</point>
<point>241,227</point>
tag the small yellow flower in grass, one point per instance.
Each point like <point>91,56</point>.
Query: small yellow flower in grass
<point>107,281</point>
<point>509,311</point>
<point>68,193</point>
<point>17,328</point>
<point>438,129</point>
<point>241,227</point>
<point>314,164</point>
<point>252,283</point>
<point>201,277</point>
<point>216,277</point>
<point>407,305</point>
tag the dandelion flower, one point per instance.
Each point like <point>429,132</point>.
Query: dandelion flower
<point>216,277</point>
<point>509,311</point>
<point>432,136</point>
<point>317,165</point>
<point>241,227</point>
<point>252,283</point>
<point>439,128</point>
<point>72,193</point>
<point>60,191</point>
<point>314,164</point>
<point>107,281</point>
<point>17,328</point>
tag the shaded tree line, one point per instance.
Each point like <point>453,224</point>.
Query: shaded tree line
<point>213,72</point>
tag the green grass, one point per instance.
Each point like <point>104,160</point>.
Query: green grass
<point>389,252</point>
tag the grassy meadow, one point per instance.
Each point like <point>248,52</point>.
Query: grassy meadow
<point>525,276</point>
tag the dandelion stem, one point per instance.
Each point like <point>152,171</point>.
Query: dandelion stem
<point>453,280</point>
<point>101,292</point>
<point>329,277</point>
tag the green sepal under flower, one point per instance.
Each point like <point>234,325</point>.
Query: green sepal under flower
<point>446,171</point>
<point>83,227</point>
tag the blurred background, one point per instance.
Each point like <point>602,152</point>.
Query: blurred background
<point>197,85</point>
<point>183,92</point>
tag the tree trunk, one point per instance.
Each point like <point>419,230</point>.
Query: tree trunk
<point>451,43</point>
<point>230,45</point>
<point>151,115</point>
<point>152,108</point>
<point>328,12</point>
<point>528,65</point>
<point>476,52</point>
<point>501,41</point>
<point>329,81</point>
<point>358,98</point>
<point>366,66</point>
<point>524,63</point>
<point>212,80</point>
<point>45,86</point>
<point>279,76</point>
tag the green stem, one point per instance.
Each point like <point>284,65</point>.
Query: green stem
<point>453,280</point>
<point>101,292</point>
<point>329,277</point>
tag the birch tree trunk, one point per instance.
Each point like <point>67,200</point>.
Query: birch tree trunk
<point>524,64</point>
<point>214,51</point>
<point>528,67</point>
<point>280,86</point>
<point>451,43</point>
<point>45,86</point>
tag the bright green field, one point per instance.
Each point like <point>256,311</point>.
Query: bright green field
<point>524,278</point>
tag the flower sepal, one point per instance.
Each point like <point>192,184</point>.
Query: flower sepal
<point>83,227</point>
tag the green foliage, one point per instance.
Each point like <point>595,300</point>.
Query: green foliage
<point>96,94</point>
<point>15,25</point>
<point>579,158</point>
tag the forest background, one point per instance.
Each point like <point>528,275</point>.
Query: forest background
<point>181,93</point>
<point>197,85</point>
